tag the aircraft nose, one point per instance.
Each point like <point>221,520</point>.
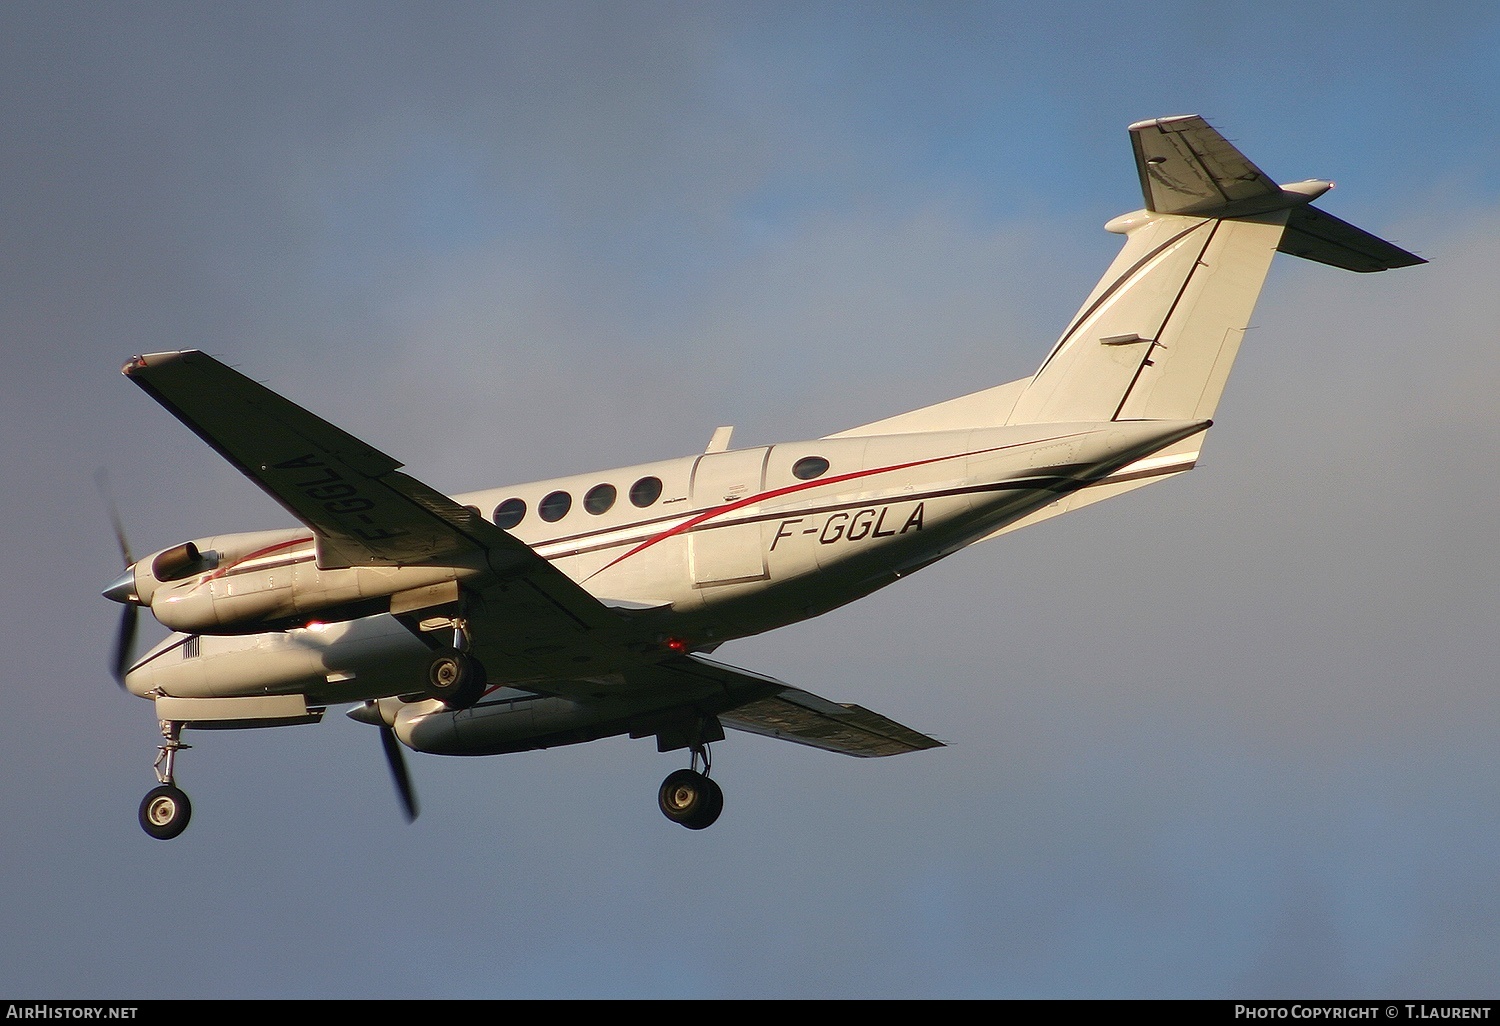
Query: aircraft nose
<point>123,590</point>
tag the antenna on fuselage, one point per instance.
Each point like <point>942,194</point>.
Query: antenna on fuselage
<point>720,441</point>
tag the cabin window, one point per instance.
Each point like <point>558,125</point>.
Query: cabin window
<point>599,499</point>
<point>809,467</point>
<point>555,506</point>
<point>510,513</point>
<point>645,491</point>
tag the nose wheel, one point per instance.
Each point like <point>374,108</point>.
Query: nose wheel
<point>689,797</point>
<point>165,810</point>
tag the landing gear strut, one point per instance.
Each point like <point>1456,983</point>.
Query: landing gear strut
<point>689,797</point>
<point>165,810</point>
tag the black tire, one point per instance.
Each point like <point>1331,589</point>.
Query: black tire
<point>690,798</point>
<point>455,678</point>
<point>165,812</point>
<point>712,806</point>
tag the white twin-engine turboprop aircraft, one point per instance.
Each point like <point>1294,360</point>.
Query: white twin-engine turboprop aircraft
<point>580,608</point>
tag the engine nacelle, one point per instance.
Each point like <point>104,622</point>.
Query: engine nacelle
<point>184,566</point>
<point>508,721</point>
<point>239,583</point>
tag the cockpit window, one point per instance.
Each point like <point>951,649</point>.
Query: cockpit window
<point>510,513</point>
<point>555,506</point>
<point>809,467</point>
<point>599,499</point>
<point>645,491</point>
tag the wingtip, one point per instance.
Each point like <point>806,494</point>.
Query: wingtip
<point>138,363</point>
<point>1162,122</point>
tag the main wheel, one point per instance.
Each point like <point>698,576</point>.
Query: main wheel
<point>165,812</point>
<point>691,799</point>
<point>455,678</point>
<point>711,808</point>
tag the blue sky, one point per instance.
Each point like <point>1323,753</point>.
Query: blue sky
<point>1232,736</point>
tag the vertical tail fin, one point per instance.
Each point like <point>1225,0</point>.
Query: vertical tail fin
<point>1157,336</point>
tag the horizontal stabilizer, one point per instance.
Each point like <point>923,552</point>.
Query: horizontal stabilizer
<point>1315,235</point>
<point>1187,167</point>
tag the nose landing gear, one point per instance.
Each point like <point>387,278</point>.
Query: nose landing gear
<point>165,810</point>
<point>689,797</point>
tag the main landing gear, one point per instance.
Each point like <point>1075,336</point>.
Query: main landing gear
<point>165,810</point>
<point>689,797</point>
<point>454,677</point>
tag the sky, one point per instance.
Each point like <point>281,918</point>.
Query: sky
<point>1231,736</point>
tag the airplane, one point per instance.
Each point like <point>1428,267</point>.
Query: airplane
<point>562,611</point>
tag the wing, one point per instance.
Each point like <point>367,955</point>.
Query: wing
<point>362,510</point>
<point>792,714</point>
<point>800,716</point>
<point>675,698</point>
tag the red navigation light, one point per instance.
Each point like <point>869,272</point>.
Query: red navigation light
<point>677,645</point>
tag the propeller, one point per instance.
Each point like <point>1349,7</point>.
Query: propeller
<point>370,713</point>
<point>125,643</point>
<point>122,590</point>
<point>397,763</point>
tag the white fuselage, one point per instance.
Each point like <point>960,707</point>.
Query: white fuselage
<point>732,544</point>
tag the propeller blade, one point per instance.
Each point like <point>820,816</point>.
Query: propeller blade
<point>129,620</point>
<point>397,763</point>
<point>101,481</point>
<point>124,643</point>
